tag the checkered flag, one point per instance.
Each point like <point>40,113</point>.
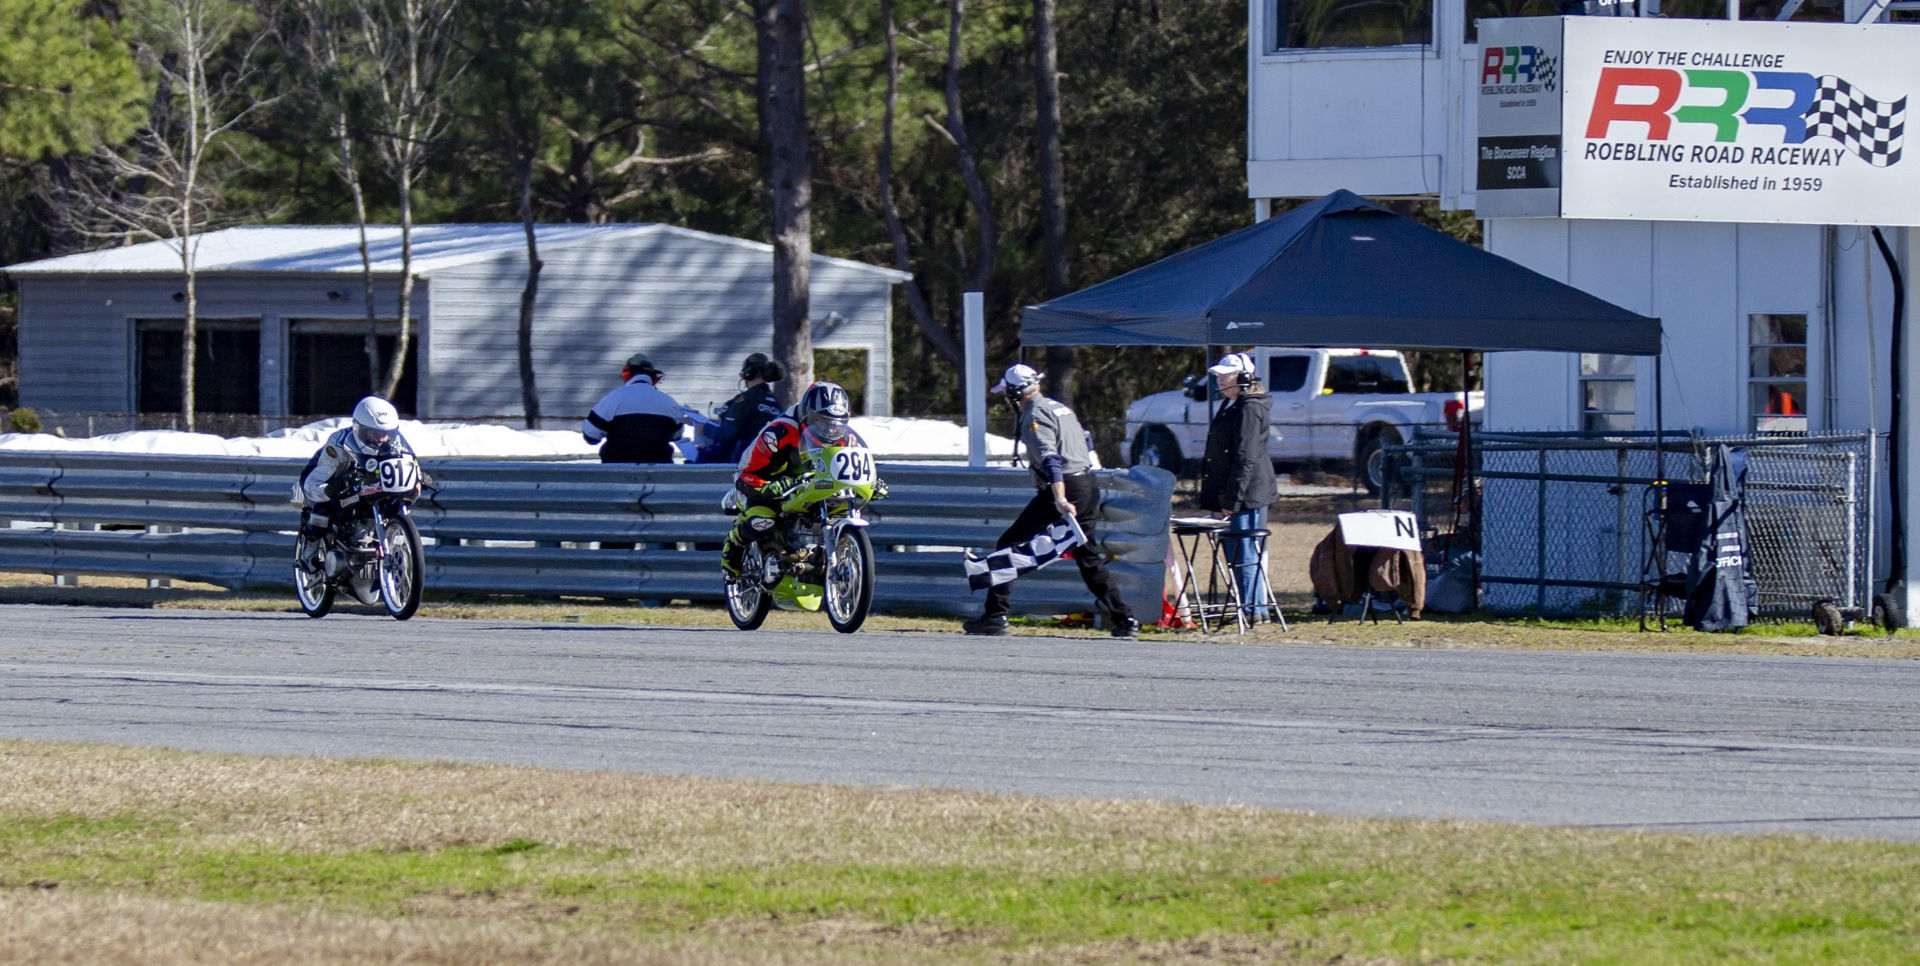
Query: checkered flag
<point>1868,128</point>
<point>1041,549</point>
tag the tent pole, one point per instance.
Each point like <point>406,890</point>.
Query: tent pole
<point>1659,421</point>
<point>1463,491</point>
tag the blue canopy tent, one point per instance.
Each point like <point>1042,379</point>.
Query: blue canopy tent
<point>1340,271</point>
<point>1343,271</point>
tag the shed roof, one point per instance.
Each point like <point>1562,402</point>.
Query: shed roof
<point>335,249</point>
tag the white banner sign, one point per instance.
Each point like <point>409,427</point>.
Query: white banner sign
<point>1517,156</point>
<point>1392,529</point>
<point>1707,120</point>
<point>1739,121</point>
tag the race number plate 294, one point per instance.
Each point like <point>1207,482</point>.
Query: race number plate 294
<point>853,466</point>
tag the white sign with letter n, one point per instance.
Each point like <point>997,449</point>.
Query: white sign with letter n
<point>1388,529</point>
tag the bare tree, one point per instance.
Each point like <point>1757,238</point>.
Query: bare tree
<point>524,129</point>
<point>334,92</point>
<point>411,54</point>
<point>955,131</point>
<point>916,300</point>
<point>1053,195</point>
<point>165,184</point>
<point>779,33</point>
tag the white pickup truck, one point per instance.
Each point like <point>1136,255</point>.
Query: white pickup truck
<point>1334,406</point>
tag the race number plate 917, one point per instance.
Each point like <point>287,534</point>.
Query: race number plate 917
<point>399,475</point>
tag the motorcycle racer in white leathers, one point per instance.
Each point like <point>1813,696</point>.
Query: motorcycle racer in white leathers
<point>374,435</point>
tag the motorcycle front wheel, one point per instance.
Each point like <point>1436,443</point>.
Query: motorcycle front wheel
<point>747,598</point>
<point>401,568</point>
<point>849,585</point>
<point>312,587</point>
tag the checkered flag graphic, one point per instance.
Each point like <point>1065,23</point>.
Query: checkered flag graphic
<point>1869,128</point>
<point>1041,549</point>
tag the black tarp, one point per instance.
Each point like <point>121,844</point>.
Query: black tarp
<point>1340,271</point>
<point>1722,593</point>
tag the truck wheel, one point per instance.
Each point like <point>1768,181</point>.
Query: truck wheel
<point>1155,446</point>
<point>1369,463</point>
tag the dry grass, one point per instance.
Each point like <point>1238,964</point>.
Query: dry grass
<point>113,855</point>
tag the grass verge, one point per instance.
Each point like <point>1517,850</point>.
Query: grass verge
<point>168,856</point>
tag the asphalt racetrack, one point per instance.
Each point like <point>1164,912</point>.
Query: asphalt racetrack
<point>1663,741</point>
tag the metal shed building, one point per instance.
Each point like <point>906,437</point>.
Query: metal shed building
<point>282,319</point>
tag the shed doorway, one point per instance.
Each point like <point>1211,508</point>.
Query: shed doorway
<point>226,375</point>
<point>327,366</point>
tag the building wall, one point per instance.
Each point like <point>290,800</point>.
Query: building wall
<point>76,333</point>
<point>697,306</point>
<point>1702,280</point>
<point>1302,137</point>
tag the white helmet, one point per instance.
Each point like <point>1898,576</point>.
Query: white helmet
<point>375,421</point>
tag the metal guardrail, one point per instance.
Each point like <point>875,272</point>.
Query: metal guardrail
<point>532,527</point>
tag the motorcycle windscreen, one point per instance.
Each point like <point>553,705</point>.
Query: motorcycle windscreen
<point>1039,550</point>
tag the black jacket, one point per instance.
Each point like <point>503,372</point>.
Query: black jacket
<point>638,422</point>
<point>741,419</point>
<point>1238,471</point>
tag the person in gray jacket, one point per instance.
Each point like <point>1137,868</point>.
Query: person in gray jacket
<point>1056,451</point>
<point>1236,477</point>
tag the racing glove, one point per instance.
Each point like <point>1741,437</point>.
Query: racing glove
<point>775,489</point>
<point>879,489</point>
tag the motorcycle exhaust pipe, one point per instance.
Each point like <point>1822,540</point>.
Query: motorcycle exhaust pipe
<point>336,563</point>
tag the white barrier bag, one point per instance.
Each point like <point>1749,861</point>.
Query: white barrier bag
<point>1041,549</point>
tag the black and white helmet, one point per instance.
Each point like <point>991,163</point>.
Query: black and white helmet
<point>824,411</point>
<point>375,421</point>
<point>1017,381</point>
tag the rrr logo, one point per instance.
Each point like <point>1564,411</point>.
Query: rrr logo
<point>1651,96</point>
<point>1825,106</point>
<point>1521,64</point>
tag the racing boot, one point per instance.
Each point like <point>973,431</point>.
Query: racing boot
<point>732,552</point>
<point>313,531</point>
<point>753,523</point>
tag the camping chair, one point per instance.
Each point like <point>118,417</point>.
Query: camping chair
<point>1674,520</point>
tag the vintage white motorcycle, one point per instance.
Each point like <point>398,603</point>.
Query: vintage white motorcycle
<point>372,549</point>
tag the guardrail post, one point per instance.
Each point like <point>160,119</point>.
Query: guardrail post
<point>155,583</point>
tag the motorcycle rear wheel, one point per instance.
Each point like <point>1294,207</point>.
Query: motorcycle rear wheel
<point>312,587</point>
<point>747,598</point>
<point>401,569</point>
<point>849,583</point>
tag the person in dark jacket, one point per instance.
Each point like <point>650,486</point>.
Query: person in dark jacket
<point>636,423</point>
<point>742,418</point>
<point>1236,479</point>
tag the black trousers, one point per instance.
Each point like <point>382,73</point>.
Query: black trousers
<point>1038,513</point>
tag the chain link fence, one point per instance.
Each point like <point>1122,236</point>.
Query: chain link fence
<point>1564,523</point>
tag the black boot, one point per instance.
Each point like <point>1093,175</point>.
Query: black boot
<point>990,625</point>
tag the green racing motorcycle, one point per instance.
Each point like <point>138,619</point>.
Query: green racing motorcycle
<point>818,555</point>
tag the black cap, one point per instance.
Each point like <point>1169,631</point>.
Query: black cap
<point>639,362</point>
<point>753,364</point>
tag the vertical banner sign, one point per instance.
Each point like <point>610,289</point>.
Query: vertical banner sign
<point>1517,156</point>
<point>1749,121</point>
